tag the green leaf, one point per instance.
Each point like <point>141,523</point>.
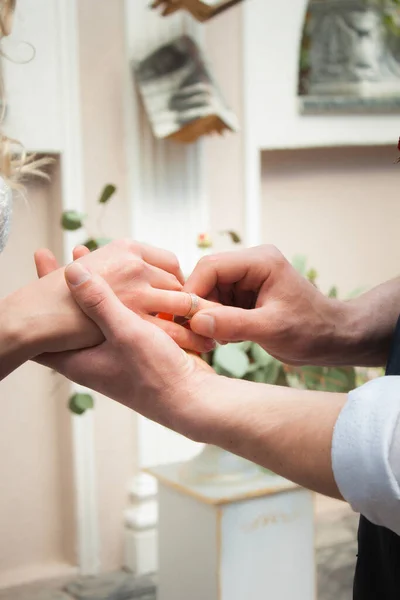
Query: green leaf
<point>108,191</point>
<point>235,237</point>
<point>79,403</point>
<point>260,356</point>
<point>91,244</point>
<point>253,367</point>
<point>95,243</point>
<point>245,346</point>
<point>102,241</point>
<point>257,375</point>
<point>311,377</point>
<point>339,379</point>
<point>232,359</point>
<point>282,378</point>
<point>333,292</point>
<point>269,374</point>
<point>294,381</point>
<point>312,275</point>
<point>299,262</point>
<point>72,220</point>
<point>272,372</point>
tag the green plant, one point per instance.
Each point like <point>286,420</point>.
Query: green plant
<point>249,361</point>
<point>72,220</point>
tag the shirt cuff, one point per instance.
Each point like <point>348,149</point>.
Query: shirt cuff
<point>362,456</point>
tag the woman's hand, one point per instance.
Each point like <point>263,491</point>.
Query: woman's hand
<point>42,316</point>
<point>137,364</point>
<point>147,280</point>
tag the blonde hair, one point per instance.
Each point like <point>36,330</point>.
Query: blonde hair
<point>15,163</point>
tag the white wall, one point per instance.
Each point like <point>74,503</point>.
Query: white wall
<point>32,76</point>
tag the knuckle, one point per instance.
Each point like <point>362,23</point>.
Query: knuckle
<point>128,244</point>
<point>173,261</point>
<point>273,252</point>
<point>132,267</point>
<point>94,299</point>
<point>206,261</point>
<point>176,335</point>
<point>174,284</point>
<point>278,322</point>
<point>137,267</point>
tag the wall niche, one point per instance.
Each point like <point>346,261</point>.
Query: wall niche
<point>350,57</point>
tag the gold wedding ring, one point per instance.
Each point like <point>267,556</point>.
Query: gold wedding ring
<point>194,306</point>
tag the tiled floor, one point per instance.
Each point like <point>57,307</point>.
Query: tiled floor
<point>336,528</point>
<point>336,534</point>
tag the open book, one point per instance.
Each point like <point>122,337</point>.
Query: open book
<point>179,94</point>
<point>202,10</point>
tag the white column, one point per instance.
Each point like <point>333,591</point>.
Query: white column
<point>169,210</point>
<point>239,540</point>
<point>252,154</point>
<point>87,531</point>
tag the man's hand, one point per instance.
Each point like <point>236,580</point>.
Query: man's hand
<point>138,364</point>
<point>267,301</point>
<point>141,367</point>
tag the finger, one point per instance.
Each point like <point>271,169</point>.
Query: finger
<point>97,300</point>
<point>229,324</point>
<point>186,339</point>
<point>160,279</point>
<point>174,303</point>
<point>79,252</point>
<point>248,269</point>
<point>163,259</point>
<point>45,262</point>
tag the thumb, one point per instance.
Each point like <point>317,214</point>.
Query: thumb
<point>96,299</point>
<point>227,324</point>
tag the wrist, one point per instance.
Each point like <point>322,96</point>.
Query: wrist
<point>17,341</point>
<point>215,401</point>
<point>56,321</point>
<point>370,331</point>
<point>24,328</point>
<point>344,337</point>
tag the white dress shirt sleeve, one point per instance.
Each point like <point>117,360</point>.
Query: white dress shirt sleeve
<point>366,451</point>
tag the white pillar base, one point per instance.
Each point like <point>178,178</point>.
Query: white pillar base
<point>141,543</point>
<point>248,540</point>
<point>141,551</point>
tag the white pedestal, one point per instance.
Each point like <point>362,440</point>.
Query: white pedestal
<point>245,541</point>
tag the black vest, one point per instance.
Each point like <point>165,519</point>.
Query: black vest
<point>377,574</point>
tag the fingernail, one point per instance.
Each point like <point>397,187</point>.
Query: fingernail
<point>76,274</point>
<point>205,324</point>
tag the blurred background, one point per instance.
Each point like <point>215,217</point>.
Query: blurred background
<point>309,97</point>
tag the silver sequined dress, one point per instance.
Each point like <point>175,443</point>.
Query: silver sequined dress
<point>5,212</point>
